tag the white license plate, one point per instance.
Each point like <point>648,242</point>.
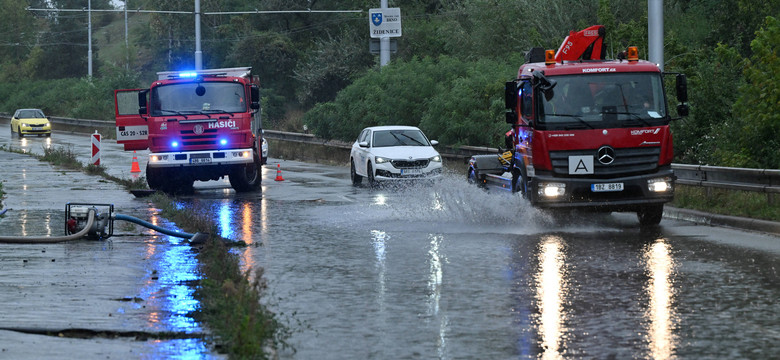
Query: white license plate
<point>606,187</point>
<point>411,171</point>
<point>200,161</point>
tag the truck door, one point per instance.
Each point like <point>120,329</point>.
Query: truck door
<point>131,129</point>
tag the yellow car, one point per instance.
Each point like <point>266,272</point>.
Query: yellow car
<point>30,122</point>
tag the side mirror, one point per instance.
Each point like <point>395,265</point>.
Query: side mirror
<point>510,95</point>
<point>255,100</point>
<point>142,107</point>
<point>682,88</point>
<point>434,143</point>
<point>363,144</point>
<point>511,117</point>
<point>682,110</point>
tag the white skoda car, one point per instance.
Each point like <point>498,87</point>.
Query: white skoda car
<point>393,153</point>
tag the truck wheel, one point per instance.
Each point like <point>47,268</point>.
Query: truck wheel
<point>154,178</point>
<point>650,215</point>
<point>519,183</point>
<point>246,178</point>
<point>356,179</point>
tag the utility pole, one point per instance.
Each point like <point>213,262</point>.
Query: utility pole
<point>198,52</point>
<point>384,41</point>
<point>655,32</point>
<point>89,39</point>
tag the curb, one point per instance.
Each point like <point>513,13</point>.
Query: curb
<point>701,217</point>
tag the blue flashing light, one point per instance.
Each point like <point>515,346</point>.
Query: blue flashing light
<point>223,142</point>
<point>175,143</point>
<point>188,74</point>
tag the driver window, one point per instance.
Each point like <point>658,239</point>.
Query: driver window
<point>526,100</point>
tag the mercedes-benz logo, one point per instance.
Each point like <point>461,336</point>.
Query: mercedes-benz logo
<point>606,155</point>
<point>198,129</point>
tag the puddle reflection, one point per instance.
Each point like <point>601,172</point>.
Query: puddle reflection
<point>660,313</point>
<point>550,293</point>
<point>168,292</point>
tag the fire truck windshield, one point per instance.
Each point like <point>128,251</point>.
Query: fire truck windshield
<point>187,99</point>
<point>604,100</point>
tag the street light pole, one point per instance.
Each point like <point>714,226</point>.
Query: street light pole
<point>89,40</point>
<point>198,52</point>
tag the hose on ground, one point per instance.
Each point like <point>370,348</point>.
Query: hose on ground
<point>51,239</point>
<point>153,227</point>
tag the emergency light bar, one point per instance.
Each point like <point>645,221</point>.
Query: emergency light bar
<point>237,72</point>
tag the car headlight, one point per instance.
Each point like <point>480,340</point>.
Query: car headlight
<point>381,160</point>
<point>436,158</point>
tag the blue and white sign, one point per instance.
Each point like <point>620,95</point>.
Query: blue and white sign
<point>385,22</point>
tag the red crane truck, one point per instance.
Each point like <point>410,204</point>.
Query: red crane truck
<point>198,125</point>
<point>587,133</point>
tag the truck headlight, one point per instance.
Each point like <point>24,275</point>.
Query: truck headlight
<point>552,189</point>
<point>660,184</point>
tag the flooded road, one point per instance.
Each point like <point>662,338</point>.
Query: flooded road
<point>446,270</point>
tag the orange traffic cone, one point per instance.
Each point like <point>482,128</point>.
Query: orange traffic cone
<point>279,173</point>
<point>135,168</point>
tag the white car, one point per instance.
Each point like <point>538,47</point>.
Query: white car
<point>383,153</point>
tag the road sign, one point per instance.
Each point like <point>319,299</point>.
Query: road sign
<point>373,46</point>
<point>384,22</point>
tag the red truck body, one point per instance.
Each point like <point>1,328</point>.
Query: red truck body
<point>588,134</point>
<point>197,126</point>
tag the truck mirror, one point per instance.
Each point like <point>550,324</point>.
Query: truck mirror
<point>142,108</point>
<point>255,94</point>
<point>510,95</point>
<point>511,117</point>
<point>200,90</point>
<point>682,110</point>
<point>682,88</point>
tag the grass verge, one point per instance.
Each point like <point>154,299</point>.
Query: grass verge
<point>230,300</point>
<point>726,202</point>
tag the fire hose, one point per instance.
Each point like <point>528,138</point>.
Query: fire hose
<point>83,220</point>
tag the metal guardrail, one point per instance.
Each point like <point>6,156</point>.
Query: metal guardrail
<point>740,179</point>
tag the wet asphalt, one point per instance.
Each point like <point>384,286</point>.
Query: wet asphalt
<point>442,271</point>
<point>125,297</point>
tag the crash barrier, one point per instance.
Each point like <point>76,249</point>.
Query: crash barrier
<point>757,180</point>
<point>308,147</point>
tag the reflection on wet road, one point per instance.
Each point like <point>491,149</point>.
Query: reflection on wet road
<point>449,271</point>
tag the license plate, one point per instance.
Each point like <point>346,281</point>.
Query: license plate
<point>200,161</point>
<point>411,171</point>
<point>606,187</point>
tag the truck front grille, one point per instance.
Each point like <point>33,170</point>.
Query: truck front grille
<point>189,138</point>
<point>628,161</point>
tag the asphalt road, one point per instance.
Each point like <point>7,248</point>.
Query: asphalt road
<point>438,270</point>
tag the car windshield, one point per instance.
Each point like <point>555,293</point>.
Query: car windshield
<point>385,138</point>
<point>591,101</point>
<point>183,99</point>
<point>30,114</point>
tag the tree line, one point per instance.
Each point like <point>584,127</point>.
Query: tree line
<point>447,76</point>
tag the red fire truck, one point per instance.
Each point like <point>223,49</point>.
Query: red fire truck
<point>198,125</point>
<point>587,133</point>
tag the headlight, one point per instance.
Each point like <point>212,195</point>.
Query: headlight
<point>381,160</point>
<point>552,189</point>
<point>659,184</point>
<point>436,158</point>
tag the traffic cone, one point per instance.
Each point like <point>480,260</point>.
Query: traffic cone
<point>279,173</point>
<point>135,168</point>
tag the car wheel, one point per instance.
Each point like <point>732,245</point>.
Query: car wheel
<point>370,173</point>
<point>356,179</point>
